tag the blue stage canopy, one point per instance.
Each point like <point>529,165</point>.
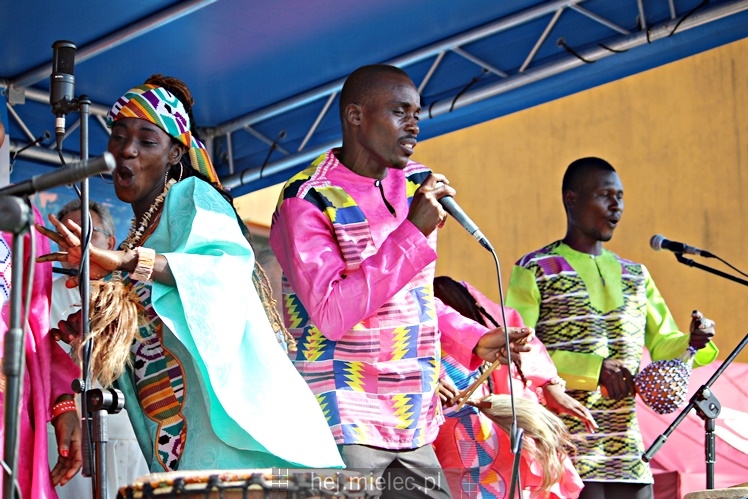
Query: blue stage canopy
<point>265,75</point>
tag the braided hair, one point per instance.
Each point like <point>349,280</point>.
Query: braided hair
<point>457,296</point>
<point>181,171</point>
<point>545,437</point>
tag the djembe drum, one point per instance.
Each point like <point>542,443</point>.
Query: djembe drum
<point>252,484</point>
<point>663,385</point>
<point>738,492</point>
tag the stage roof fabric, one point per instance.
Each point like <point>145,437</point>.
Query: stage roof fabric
<point>266,75</point>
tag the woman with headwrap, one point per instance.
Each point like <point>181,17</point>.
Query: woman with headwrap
<point>177,321</point>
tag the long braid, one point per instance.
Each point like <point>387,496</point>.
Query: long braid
<point>458,297</point>
<point>179,172</point>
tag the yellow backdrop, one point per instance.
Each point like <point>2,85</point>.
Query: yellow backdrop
<point>678,136</point>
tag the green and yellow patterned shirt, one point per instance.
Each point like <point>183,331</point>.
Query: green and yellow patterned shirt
<point>587,308</point>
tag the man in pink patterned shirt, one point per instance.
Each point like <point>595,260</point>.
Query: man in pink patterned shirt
<point>355,236</point>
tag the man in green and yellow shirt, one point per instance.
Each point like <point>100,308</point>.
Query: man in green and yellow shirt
<point>595,311</point>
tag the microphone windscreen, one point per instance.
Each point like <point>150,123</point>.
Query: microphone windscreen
<point>656,242</point>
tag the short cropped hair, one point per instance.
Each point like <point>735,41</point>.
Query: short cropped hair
<point>578,169</point>
<point>362,83</point>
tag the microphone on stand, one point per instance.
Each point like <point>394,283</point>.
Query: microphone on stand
<point>62,85</point>
<point>516,433</point>
<point>658,242</point>
<point>64,175</point>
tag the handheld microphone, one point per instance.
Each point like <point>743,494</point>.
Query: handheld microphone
<point>68,174</point>
<point>658,242</point>
<point>450,206</point>
<point>62,84</point>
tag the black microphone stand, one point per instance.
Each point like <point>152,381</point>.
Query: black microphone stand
<point>94,422</point>
<point>94,429</point>
<point>516,433</point>
<point>703,400</point>
<point>95,403</point>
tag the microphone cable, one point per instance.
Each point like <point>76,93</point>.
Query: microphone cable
<point>45,136</point>
<point>516,434</point>
<point>733,267</point>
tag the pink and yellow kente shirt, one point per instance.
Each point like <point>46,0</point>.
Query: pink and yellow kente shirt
<point>358,297</point>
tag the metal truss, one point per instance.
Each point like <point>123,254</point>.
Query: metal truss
<point>316,104</point>
<point>19,89</point>
<point>507,79</point>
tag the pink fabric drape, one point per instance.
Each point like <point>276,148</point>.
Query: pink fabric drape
<point>537,365</point>
<point>49,372</point>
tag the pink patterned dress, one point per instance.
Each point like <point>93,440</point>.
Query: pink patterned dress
<point>475,454</point>
<point>49,370</point>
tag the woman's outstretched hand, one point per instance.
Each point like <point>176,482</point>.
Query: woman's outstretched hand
<point>559,402</point>
<point>102,262</point>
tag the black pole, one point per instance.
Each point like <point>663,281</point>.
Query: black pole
<point>704,401</point>
<point>710,451</point>
<point>691,263</point>
<point>94,423</point>
<point>516,443</point>
<point>14,356</point>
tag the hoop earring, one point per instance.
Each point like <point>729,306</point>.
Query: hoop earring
<point>181,170</point>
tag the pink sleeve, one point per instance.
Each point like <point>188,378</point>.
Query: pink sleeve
<point>537,365</point>
<point>513,319</point>
<point>62,370</point>
<point>304,243</point>
<point>459,335</point>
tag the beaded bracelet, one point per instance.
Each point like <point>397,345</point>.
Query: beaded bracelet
<point>146,261</point>
<point>557,380</point>
<point>64,406</point>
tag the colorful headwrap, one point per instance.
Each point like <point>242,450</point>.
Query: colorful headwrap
<point>163,109</point>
